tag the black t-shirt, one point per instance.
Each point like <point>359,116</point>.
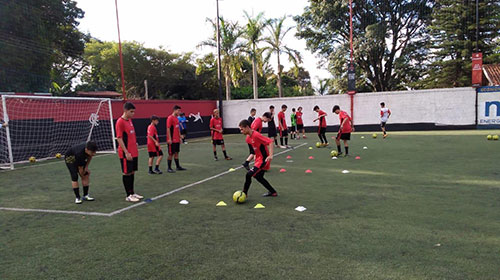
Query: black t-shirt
<point>251,119</point>
<point>77,155</point>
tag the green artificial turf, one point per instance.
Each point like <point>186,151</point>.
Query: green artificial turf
<point>415,206</point>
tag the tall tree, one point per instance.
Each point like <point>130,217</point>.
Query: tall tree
<point>278,32</point>
<point>390,36</point>
<point>453,31</point>
<point>253,33</point>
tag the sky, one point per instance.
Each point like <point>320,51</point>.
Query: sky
<point>179,26</point>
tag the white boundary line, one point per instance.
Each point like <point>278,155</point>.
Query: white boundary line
<point>137,204</point>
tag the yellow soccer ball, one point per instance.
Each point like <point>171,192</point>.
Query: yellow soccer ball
<point>495,137</point>
<point>334,153</point>
<point>374,135</point>
<point>32,159</point>
<point>239,197</point>
<point>318,144</point>
<point>58,155</point>
<point>489,137</point>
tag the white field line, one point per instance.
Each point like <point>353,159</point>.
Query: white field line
<point>137,204</point>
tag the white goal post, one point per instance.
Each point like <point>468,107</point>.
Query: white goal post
<point>42,127</point>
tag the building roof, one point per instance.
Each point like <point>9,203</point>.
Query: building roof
<point>108,94</point>
<point>492,73</point>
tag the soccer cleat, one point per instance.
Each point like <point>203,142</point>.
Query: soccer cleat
<point>88,198</point>
<point>340,154</point>
<point>151,172</point>
<point>78,200</point>
<point>246,165</point>
<point>346,155</point>
<point>185,142</point>
<point>138,196</point>
<point>305,137</point>
<point>229,158</point>
<point>385,135</point>
<point>282,147</point>
<point>216,159</point>
<point>180,168</point>
<point>131,198</point>
<point>170,170</point>
<point>158,171</point>
<point>270,194</point>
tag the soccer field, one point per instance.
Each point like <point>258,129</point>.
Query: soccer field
<point>417,205</point>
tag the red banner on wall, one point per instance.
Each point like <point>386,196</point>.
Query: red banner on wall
<point>477,69</point>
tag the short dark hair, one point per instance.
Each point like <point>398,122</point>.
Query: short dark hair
<point>154,118</point>
<point>92,146</point>
<point>293,109</point>
<point>283,106</point>
<point>382,103</point>
<point>299,108</point>
<point>244,123</point>
<point>315,108</point>
<point>253,110</point>
<point>267,115</point>
<point>335,108</point>
<point>271,107</point>
<point>128,106</point>
<point>177,107</point>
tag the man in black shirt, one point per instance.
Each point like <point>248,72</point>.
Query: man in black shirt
<point>77,160</point>
<point>251,118</point>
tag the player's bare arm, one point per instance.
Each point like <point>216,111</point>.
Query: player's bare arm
<point>271,152</point>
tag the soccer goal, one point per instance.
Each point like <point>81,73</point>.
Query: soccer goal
<point>41,127</point>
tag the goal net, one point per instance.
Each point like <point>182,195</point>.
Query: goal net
<point>42,127</point>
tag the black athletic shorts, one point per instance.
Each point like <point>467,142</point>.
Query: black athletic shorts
<point>322,130</point>
<point>174,148</point>
<point>271,131</point>
<point>72,167</point>
<point>292,128</point>
<point>184,131</point>
<point>382,124</point>
<point>217,142</point>
<point>129,166</point>
<point>156,154</point>
<point>300,126</point>
<point>344,136</point>
<point>250,148</point>
<point>284,133</point>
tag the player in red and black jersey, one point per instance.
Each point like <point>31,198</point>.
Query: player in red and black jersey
<point>345,129</point>
<point>263,148</point>
<point>127,150</point>
<point>300,123</point>
<point>217,138</point>
<point>321,126</point>
<point>174,139</point>
<point>283,128</point>
<point>154,148</point>
<point>256,126</point>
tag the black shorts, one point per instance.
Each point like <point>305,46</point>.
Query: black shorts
<point>184,131</point>
<point>284,133</point>
<point>158,153</point>
<point>251,150</point>
<point>217,142</point>
<point>344,136</point>
<point>73,171</point>
<point>174,148</point>
<point>129,166</point>
<point>382,124</point>
<point>292,128</point>
<point>271,132</point>
<point>300,126</point>
<point>322,130</point>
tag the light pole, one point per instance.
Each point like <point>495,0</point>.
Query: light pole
<point>219,74</point>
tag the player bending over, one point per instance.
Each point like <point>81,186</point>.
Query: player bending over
<point>345,129</point>
<point>217,138</point>
<point>263,148</point>
<point>127,150</point>
<point>385,113</point>
<point>77,160</point>
<point>321,126</point>
<point>257,126</point>
<point>174,140</point>
<point>283,127</point>
<point>154,148</point>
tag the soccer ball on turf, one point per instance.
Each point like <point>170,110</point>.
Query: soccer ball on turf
<point>239,197</point>
<point>374,135</point>
<point>32,159</point>
<point>489,137</point>
<point>334,153</point>
<point>495,137</point>
<point>318,144</point>
<point>58,155</point>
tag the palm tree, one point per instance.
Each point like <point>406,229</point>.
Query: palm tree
<point>253,33</point>
<point>275,41</point>
<point>231,49</point>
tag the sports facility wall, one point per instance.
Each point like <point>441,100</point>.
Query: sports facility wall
<point>411,110</point>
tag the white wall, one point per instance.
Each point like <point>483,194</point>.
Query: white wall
<point>440,106</point>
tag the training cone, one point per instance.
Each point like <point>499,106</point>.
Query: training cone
<point>310,148</point>
<point>358,157</point>
<point>311,157</point>
<point>282,170</point>
<point>362,137</point>
<point>346,172</point>
<point>334,157</point>
<point>309,171</point>
<point>221,203</point>
<point>288,157</point>
<point>365,148</point>
<point>259,206</point>
<point>231,169</point>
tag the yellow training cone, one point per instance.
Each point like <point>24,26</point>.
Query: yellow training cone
<point>259,206</point>
<point>221,203</point>
<point>231,169</point>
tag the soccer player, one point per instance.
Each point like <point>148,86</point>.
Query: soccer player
<point>263,148</point>
<point>345,129</point>
<point>217,138</point>
<point>321,126</point>
<point>271,127</point>
<point>251,118</point>
<point>385,113</point>
<point>300,123</point>
<point>154,148</point>
<point>174,140</point>
<point>183,127</point>
<point>283,127</point>
<point>293,122</point>
<point>256,126</point>
<point>77,160</point>
<point>127,150</point>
